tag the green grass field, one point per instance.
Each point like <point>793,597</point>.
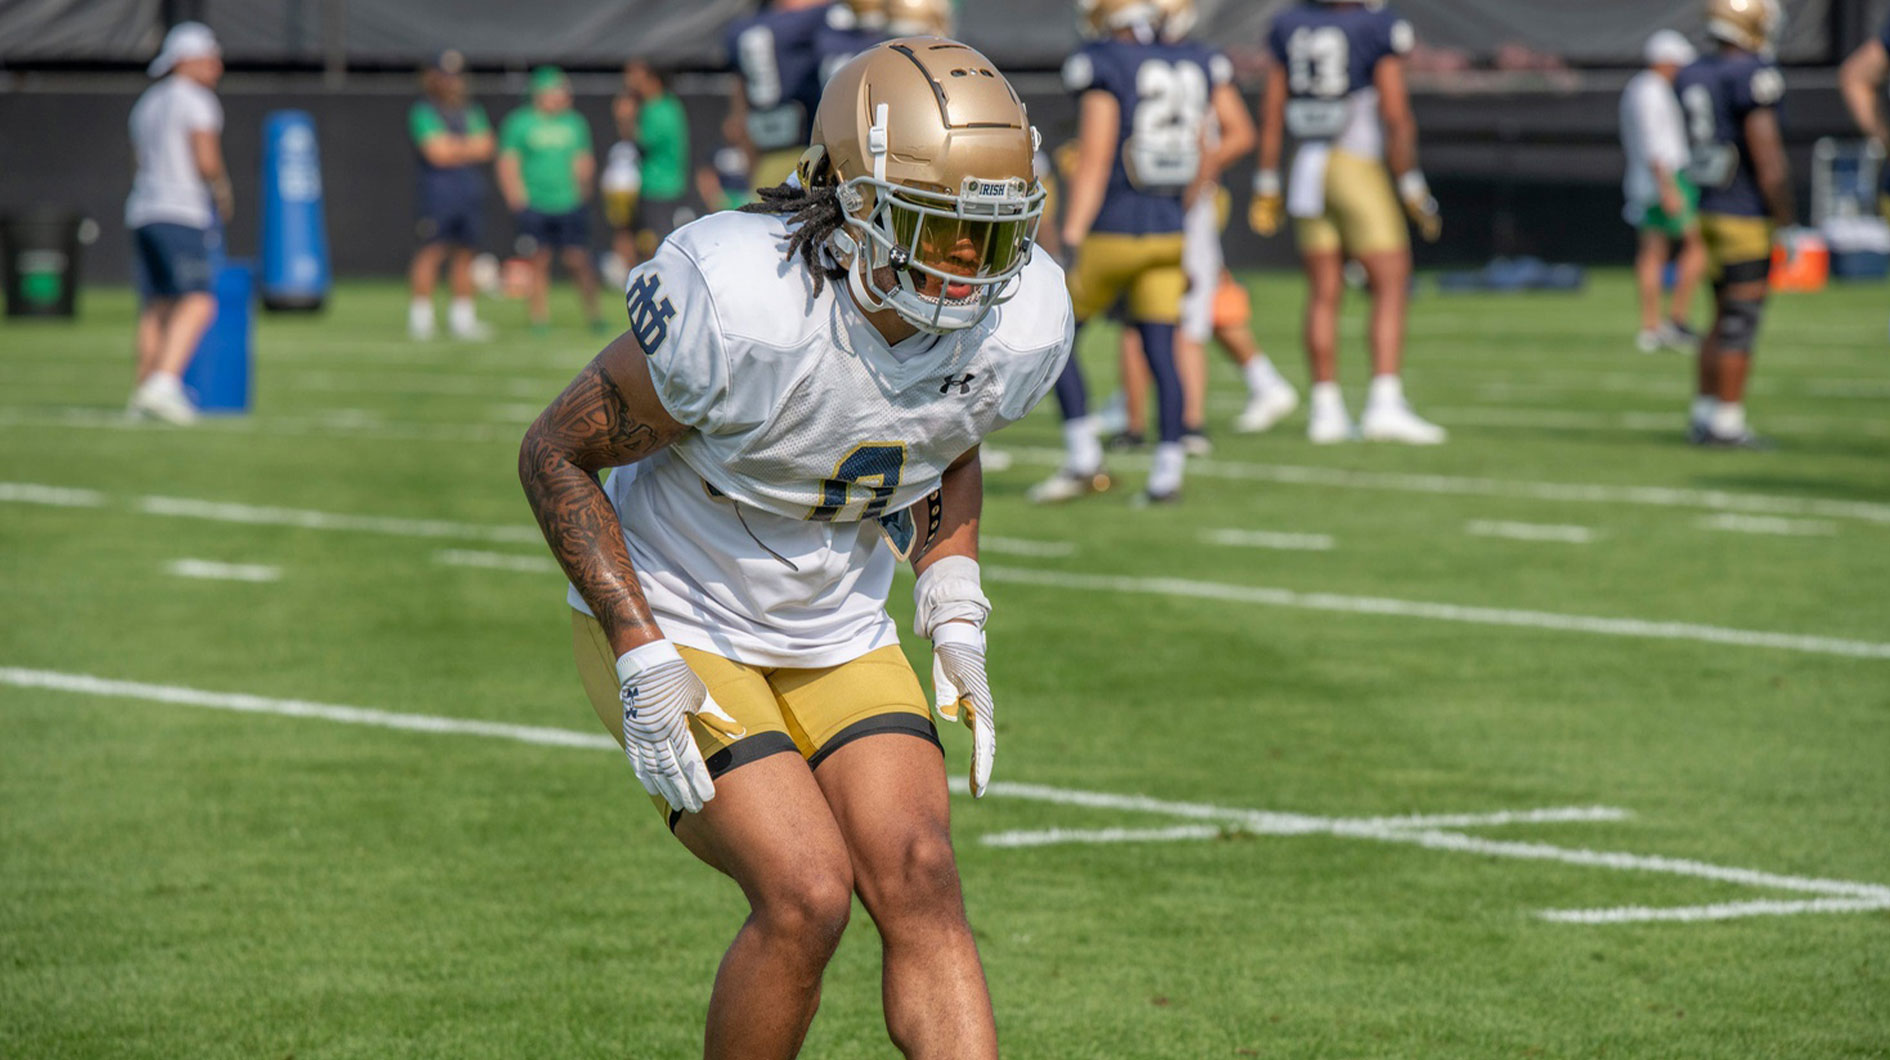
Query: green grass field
<point>1217,719</point>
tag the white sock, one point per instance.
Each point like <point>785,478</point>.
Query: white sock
<point>420,314</point>
<point>1326,399</point>
<point>163,381</point>
<point>1703,409</point>
<point>1729,419</point>
<point>1387,391</point>
<point>1164,473</point>
<point>461,315</point>
<point>1260,374</point>
<point>1085,451</point>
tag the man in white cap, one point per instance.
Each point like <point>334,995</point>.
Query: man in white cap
<point>1661,201</point>
<point>180,191</point>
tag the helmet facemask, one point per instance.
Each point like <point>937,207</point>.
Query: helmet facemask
<point>939,259</point>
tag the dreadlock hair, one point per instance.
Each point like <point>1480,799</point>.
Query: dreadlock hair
<point>817,211</point>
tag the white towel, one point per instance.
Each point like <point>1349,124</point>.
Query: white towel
<point>1306,191</point>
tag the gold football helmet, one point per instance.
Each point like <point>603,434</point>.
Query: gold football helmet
<point>1178,17</point>
<point>1749,24</point>
<point>919,18</point>
<point>1100,18</point>
<point>929,152</point>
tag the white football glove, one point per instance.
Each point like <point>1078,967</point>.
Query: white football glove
<point>950,609</point>
<point>659,693</point>
<point>961,693</point>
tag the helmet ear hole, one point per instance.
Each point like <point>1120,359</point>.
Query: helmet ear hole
<point>814,169</point>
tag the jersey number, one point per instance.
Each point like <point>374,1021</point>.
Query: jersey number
<point>649,312</point>
<point>1713,163</point>
<point>1319,62</point>
<point>875,466</point>
<point>1164,148</point>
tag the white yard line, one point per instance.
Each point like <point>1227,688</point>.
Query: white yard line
<point>1453,485</point>
<point>217,511</point>
<point>1270,539</point>
<point>222,512</point>
<point>298,708</point>
<point>229,572</point>
<point>1017,546</point>
<point>459,557</point>
<point>55,496</point>
<point>336,424</point>
<point>1182,588</point>
<point>1640,914</point>
<point>1641,421</point>
<point>1852,897</point>
<point>1762,524</point>
<point>1568,535</point>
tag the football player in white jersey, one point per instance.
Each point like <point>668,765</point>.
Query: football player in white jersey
<point>797,405</point>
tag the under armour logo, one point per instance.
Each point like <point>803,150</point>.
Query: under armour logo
<point>962,382</point>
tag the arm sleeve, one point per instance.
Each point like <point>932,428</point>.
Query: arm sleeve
<point>583,131</point>
<point>1883,36</point>
<point>423,122</point>
<point>476,121</point>
<point>1220,70</point>
<point>1276,42</point>
<point>1396,36</point>
<point>1079,73</point>
<point>204,113</point>
<point>672,314</point>
<point>1765,88</point>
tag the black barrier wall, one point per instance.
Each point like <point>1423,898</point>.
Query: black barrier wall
<point>1535,173</point>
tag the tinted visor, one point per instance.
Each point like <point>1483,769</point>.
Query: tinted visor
<point>962,246</point>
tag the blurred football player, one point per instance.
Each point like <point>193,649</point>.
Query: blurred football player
<point>1143,111</point>
<point>1337,84</point>
<point>1662,202</point>
<point>1731,98</point>
<point>1216,305</point>
<point>775,55</point>
<point>1862,79</point>
<point>782,435</point>
<point>452,140</point>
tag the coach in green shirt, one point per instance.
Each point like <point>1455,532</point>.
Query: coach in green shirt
<point>546,172</point>
<point>663,139</point>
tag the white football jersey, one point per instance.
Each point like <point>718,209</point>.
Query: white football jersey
<point>756,534</point>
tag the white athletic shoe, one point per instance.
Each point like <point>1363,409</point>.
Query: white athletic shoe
<point>162,397</point>
<point>477,331</point>
<point>1067,486</point>
<point>1649,341</point>
<point>1329,426</point>
<point>1387,422</point>
<point>1267,408</point>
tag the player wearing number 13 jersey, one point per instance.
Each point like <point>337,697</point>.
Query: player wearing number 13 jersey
<point>797,406</point>
<point>1731,98</point>
<point>1337,85</point>
<point>1144,106</point>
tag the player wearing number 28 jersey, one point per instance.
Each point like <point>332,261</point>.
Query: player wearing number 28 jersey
<point>1143,112</point>
<point>796,407</point>
<point>1337,85</point>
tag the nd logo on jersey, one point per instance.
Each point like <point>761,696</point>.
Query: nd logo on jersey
<point>649,314</point>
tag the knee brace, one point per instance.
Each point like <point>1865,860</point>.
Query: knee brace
<point>1738,326</point>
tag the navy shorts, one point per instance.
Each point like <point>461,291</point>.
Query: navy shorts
<point>457,223</point>
<point>172,260</point>
<point>555,231</point>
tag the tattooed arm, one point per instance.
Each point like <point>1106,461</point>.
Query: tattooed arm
<point>608,417</point>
